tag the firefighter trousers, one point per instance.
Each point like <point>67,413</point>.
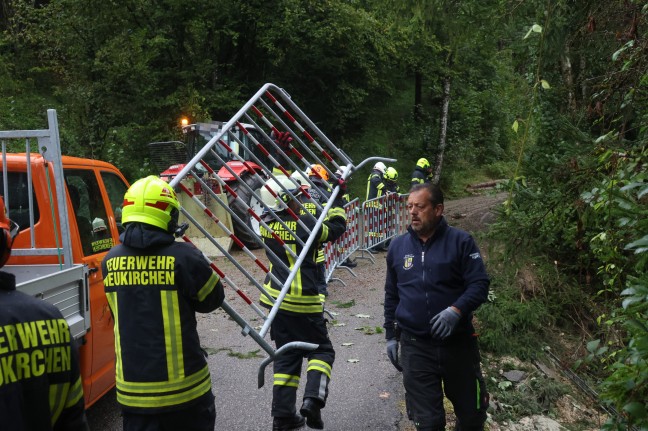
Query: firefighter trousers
<point>310,328</point>
<point>432,369</point>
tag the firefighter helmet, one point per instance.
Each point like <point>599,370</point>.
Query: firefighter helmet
<point>8,231</point>
<point>271,199</point>
<point>423,163</point>
<point>300,178</point>
<point>152,201</point>
<point>318,171</point>
<point>340,171</point>
<point>391,174</point>
<point>380,166</point>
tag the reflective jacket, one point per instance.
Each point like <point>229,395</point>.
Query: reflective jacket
<point>154,287</point>
<point>419,176</point>
<point>423,279</point>
<point>303,296</point>
<point>40,385</point>
<point>375,185</point>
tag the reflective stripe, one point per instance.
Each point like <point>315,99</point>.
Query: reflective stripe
<point>296,287</point>
<point>324,234</point>
<point>162,394</point>
<point>57,400</point>
<point>286,380</point>
<point>321,366</point>
<point>336,212</point>
<point>172,334</point>
<point>112,301</point>
<point>75,394</point>
<point>208,287</point>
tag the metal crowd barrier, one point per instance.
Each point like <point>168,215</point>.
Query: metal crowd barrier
<point>382,219</point>
<point>270,111</point>
<point>340,250</point>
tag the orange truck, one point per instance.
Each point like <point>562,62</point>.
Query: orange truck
<point>69,213</point>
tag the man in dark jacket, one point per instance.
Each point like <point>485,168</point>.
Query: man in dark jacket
<point>435,280</point>
<point>300,316</point>
<point>154,287</point>
<point>40,384</point>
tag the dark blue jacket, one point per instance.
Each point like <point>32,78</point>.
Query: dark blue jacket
<point>425,278</point>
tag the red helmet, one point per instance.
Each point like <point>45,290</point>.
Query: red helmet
<point>8,231</point>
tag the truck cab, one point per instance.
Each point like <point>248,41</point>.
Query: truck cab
<point>90,222</point>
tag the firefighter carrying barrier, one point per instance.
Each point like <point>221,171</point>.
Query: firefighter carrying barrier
<point>290,143</point>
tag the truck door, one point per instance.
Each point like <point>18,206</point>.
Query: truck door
<point>96,199</point>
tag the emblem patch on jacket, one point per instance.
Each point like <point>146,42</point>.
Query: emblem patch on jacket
<point>408,261</point>
<point>475,255</point>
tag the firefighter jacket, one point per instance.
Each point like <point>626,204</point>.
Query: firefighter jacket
<point>154,287</point>
<point>303,296</point>
<point>423,279</point>
<point>375,185</point>
<point>40,385</point>
<point>419,176</point>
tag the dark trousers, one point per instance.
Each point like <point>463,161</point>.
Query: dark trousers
<point>431,369</point>
<point>309,328</point>
<point>197,417</point>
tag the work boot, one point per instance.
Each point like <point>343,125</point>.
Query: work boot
<point>311,411</point>
<point>287,423</point>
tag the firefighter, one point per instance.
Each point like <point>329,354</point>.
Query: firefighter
<point>435,280</point>
<point>375,189</point>
<point>391,180</point>
<point>300,316</point>
<point>40,384</point>
<point>154,287</point>
<point>349,262</point>
<point>375,182</point>
<point>321,192</point>
<point>422,172</point>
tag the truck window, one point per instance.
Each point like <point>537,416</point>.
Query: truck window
<point>17,199</point>
<point>116,189</point>
<point>89,211</point>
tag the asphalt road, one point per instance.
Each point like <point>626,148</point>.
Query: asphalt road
<point>365,392</point>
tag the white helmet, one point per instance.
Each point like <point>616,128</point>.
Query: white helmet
<point>340,170</point>
<point>274,183</point>
<point>300,178</point>
<point>380,166</point>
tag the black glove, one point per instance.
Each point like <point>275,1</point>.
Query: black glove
<point>442,325</point>
<point>392,353</point>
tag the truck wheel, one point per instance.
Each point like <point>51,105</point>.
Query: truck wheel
<point>251,240</point>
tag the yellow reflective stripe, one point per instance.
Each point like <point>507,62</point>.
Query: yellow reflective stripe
<point>208,287</point>
<point>75,393</point>
<point>320,256</point>
<point>324,234</point>
<point>296,308</point>
<point>168,399</point>
<point>322,298</point>
<point>321,366</point>
<point>286,380</point>
<point>296,286</point>
<point>112,301</point>
<point>164,386</point>
<point>337,212</point>
<point>172,334</point>
<point>57,400</point>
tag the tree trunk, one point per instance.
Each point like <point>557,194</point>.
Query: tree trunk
<point>444,130</point>
<point>418,98</point>
<point>568,76</point>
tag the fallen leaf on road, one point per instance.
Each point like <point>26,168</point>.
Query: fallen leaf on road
<point>353,361</point>
<point>339,324</point>
<point>362,316</point>
<point>347,344</point>
<point>384,395</point>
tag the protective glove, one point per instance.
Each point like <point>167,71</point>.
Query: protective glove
<point>392,353</point>
<point>442,325</point>
<point>343,186</point>
<point>283,139</point>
